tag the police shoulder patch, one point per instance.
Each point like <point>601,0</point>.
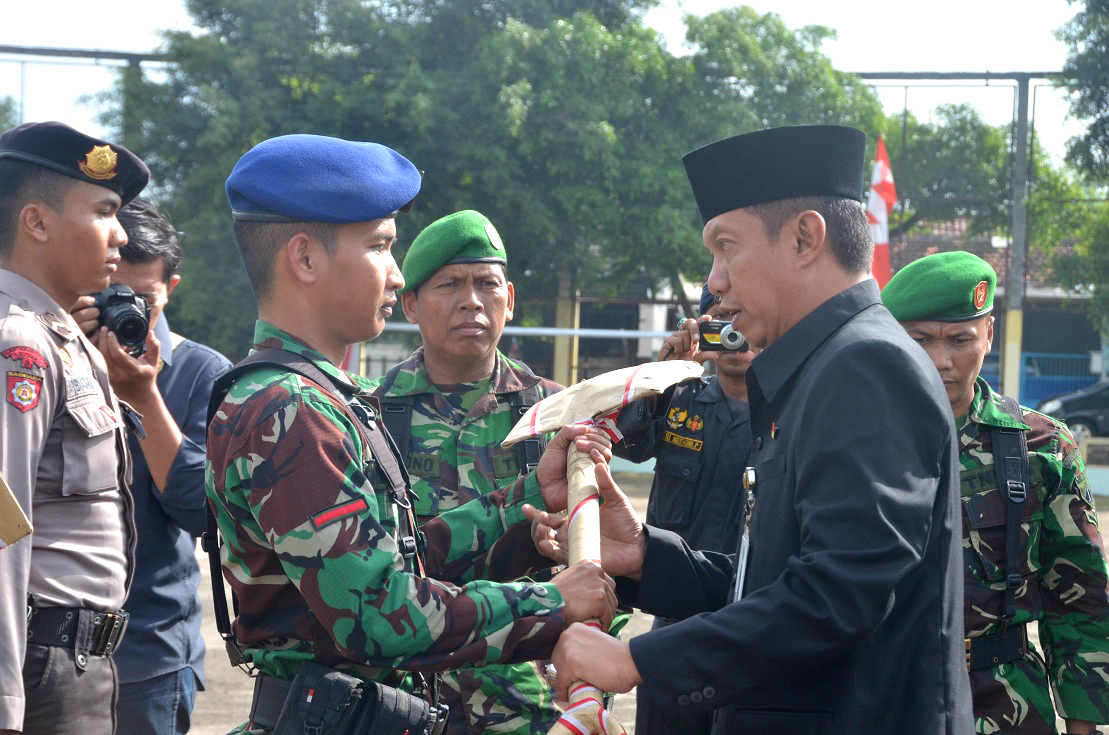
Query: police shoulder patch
<point>338,512</point>
<point>23,390</point>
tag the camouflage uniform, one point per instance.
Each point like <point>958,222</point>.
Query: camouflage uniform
<point>454,456</point>
<point>1064,569</point>
<point>311,544</point>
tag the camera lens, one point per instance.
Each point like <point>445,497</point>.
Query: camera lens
<point>127,323</point>
<point>733,339</point>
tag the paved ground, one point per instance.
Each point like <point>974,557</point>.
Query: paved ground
<point>226,701</point>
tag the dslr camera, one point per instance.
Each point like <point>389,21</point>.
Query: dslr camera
<point>126,315</point>
<point>720,336</point>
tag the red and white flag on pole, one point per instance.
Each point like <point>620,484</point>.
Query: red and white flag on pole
<point>878,208</point>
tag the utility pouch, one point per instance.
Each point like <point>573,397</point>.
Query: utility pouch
<point>321,701</point>
<point>389,711</point>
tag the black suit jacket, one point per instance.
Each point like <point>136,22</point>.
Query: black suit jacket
<point>851,617</point>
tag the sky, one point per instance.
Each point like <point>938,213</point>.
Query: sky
<point>899,35</point>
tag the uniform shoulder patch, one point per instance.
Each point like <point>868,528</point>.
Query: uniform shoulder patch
<point>23,390</point>
<point>338,512</point>
<point>27,357</point>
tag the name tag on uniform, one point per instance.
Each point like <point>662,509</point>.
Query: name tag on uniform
<point>78,386</point>
<point>683,441</point>
<point>423,465</point>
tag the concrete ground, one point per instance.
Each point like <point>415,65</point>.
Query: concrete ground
<point>226,700</point>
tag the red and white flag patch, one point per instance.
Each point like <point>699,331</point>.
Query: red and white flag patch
<point>24,390</point>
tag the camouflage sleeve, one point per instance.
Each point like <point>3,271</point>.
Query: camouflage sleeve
<point>1075,628</point>
<point>300,487</point>
<point>486,538</point>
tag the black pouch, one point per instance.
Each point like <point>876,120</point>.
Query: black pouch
<point>389,711</point>
<point>321,701</point>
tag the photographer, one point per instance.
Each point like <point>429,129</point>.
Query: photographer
<point>699,436</point>
<point>161,664</point>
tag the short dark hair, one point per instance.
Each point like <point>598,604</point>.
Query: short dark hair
<point>150,237</point>
<point>20,182</point>
<point>848,230</point>
<point>259,243</point>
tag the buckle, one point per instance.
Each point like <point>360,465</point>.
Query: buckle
<point>967,642</point>
<point>1013,582</point>
<point>407,547</point>
<point>108,632</point>
<point>1017,491</point>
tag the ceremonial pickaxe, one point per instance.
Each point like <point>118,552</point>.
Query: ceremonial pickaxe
<point>596,401</point>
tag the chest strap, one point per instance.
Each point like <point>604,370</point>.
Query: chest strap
<point>396,414</point>
<point>1011,473</point>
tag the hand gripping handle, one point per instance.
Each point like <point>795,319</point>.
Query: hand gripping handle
<point>586,714</point>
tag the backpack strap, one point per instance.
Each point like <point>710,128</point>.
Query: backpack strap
<point>396,413</point>
<point>1011,473</point>
<point>531,449</point>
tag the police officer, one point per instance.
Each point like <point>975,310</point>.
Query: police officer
<point>839,613</point>
<point>448,407</point>
<point>62,447</point>
<point>699,436</point>
<point>1032,552</point>
<point>306,488</point>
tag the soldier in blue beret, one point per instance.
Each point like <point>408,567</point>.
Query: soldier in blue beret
<point>62,442</point>
<point>1032,548</point>
<point>839,611</point>
<point>324,553</point>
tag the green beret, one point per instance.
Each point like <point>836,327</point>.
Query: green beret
<point>944,287</point>
<point>462,237</point>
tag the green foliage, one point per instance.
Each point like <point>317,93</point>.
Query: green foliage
<point>1086,267</point>
<point>564,121</point>
<point>1086,77</point>
<point>957,165</point>
<point>9,113</point>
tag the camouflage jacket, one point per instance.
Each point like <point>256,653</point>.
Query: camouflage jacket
<point>311,546</point>
<point>454,455</point>
<point>1064,576</point>
<point>454,447</point>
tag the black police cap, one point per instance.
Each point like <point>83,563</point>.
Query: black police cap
<point>61,149</point>
<point>779,163</point>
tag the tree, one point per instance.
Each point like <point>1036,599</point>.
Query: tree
<point>9,113</point>
<point>1086,77</point>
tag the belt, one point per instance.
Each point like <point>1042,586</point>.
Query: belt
<point>987,651</point>
<point>269,697</point>
<point>62,626</point>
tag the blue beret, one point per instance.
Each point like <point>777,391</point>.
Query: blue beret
<point>63,150</point>
<point>774,164</point>
<point>314,178</point>
<point>708,299</point>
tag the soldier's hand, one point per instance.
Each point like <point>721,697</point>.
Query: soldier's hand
<point>587,593</point>
<point>548,532</point>
<point>134,379</point>
<point>86,315</point>
<point>587,654</point>
<point>551,473</point>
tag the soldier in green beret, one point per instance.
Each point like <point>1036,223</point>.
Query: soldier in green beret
<point>448,407</point>
<point>1032,552</point>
